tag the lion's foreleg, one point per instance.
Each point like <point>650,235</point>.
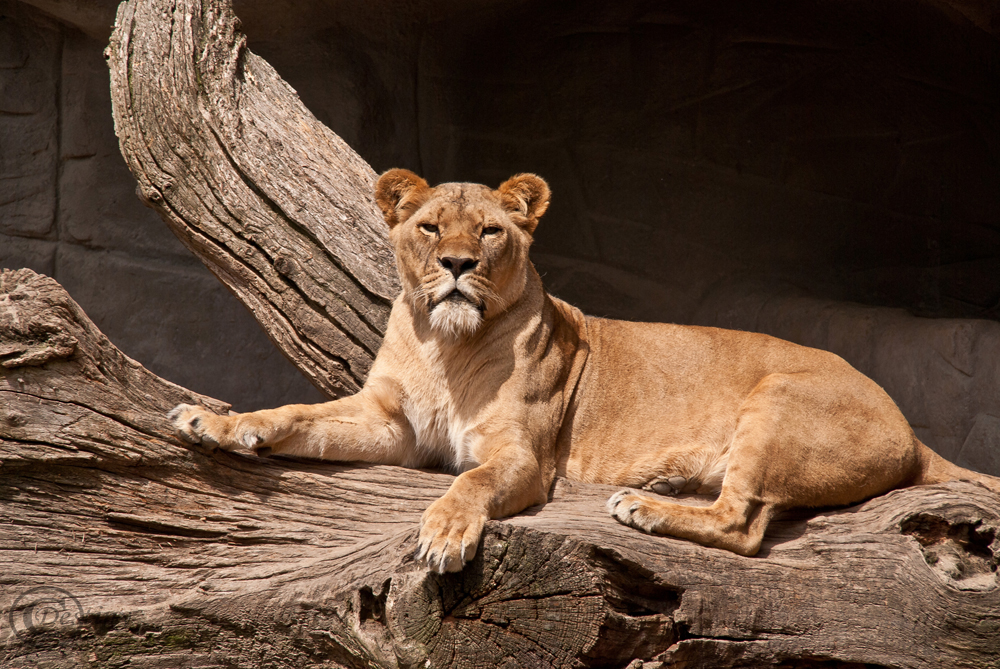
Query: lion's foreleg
<point>367,427</point>
<point>508,482</point>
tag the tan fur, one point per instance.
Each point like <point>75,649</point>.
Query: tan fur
<point>489,375</point>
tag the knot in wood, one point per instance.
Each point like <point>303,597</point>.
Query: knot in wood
<point>13,418</point>
<point>963,553</point>
<point>33,321</point>
<point>148,196</point>
<point>286,266</point>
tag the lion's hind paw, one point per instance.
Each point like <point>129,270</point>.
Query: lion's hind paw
<point>631,509</point>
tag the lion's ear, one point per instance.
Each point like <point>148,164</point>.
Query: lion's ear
<point>398,194</point>
<point>526,197</point>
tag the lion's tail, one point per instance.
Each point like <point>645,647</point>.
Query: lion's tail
<point>935,469</point>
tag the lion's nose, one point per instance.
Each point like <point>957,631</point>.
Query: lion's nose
<point>458,266</point>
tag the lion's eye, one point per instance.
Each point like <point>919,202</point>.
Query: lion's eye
<point>491,230</point>
<point>429,228</point>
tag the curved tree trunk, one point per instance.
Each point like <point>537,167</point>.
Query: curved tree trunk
<point>124,547</point>
<point>272,201</point>
<point>137,550</point>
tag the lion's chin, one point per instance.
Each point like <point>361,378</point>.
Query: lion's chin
<point>456,318</point>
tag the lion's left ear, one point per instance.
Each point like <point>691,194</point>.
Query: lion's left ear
<point>526,197</point>
<point>398,194</point>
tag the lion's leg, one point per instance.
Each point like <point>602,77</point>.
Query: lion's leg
<point>800,440</point>
<point>687,468</point>
<point>760,456</point>
<point>732,522</point>
<point>509,481</point>
<point>737,519</point>
<point>366,427</point>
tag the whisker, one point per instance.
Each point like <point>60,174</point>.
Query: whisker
<point>429,286</point>
<point>489,293</point>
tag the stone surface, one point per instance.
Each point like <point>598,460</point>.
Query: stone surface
<point>981,450</point>
<point>68,209</point>
<point>36,254</point>
<point>29,85</point>
<point>98,208</point>
<point>179,323</point>
<point>829,145</point>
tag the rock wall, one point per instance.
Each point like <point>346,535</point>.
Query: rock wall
<point>850,150</point>
<point>68,209</point>
<point>823,171</point>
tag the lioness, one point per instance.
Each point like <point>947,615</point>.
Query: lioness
<point>482,371</point>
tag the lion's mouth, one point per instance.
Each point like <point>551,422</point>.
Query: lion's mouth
<point>456,296</point>
<point>456,313</point>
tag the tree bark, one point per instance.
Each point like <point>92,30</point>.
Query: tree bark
<point>124,546</point>
<point>153,553</point>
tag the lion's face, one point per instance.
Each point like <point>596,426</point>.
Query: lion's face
<point>461,249</point>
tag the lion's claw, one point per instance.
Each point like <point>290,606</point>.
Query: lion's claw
<point>449,535</point>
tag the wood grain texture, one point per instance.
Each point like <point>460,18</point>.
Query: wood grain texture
<point>182,557</point>
<point>277,206</point>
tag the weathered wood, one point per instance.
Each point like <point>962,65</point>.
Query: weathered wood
<point>180,557</point>
<point>272,201</point>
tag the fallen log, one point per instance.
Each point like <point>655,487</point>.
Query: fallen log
<point>122,545</point>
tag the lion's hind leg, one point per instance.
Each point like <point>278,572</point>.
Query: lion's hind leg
<point>731,522</point>
<point>686,468</point>
<point>735,521</point>
<point>800,440</point>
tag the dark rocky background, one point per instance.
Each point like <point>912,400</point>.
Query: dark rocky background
<point>825,171</point>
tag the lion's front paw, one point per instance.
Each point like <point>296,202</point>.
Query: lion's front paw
<point>198,425</point>
<point>449,534</point>
<point>633,510</point>
<point>191,424</point>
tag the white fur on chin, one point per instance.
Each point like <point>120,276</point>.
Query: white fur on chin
<point>455,318</point>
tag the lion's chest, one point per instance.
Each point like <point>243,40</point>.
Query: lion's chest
<point>440,434</point>
<point>454,394</point>
<point>445,415</point>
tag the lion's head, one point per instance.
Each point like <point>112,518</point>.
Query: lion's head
<point>461,248</point>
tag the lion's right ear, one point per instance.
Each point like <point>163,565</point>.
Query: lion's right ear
<point>398,194</point>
